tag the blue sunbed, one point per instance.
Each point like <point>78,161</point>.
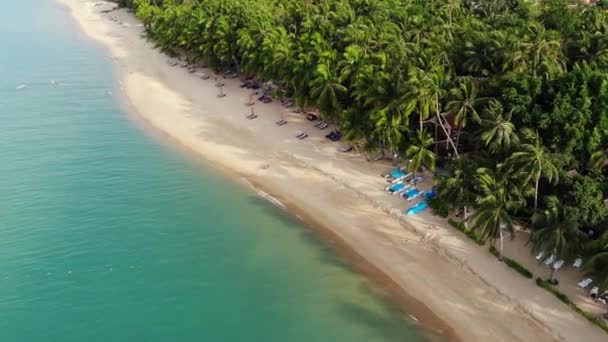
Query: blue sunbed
<point>409,192</point>
<point>396,173</point>
<point>396,187</point>
<point>428,195</point>
<point>411,195</point>
<point>417,208</point>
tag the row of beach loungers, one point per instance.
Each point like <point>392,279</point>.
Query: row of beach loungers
<point>404,185</point>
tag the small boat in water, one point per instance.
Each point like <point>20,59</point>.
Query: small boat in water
<point>21,86</point>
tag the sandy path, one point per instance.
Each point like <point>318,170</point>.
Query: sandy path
<point>458,281</point>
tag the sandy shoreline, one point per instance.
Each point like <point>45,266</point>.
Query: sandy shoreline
<point>459,283</point>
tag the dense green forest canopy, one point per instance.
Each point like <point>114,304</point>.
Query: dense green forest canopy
<point>511,96</point>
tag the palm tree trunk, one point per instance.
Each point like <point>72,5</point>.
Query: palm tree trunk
<point>501,244</point>
<point>458,136</point>
<point>445,131</point>
<point>536,192</point>
<point>464,216</point>
<point>552,275</point>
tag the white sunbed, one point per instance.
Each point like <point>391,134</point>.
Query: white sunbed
<point>550,260</point>
<point>584,283</point>
<point>558,264</point>
<point>540,256</point>
<point>578,263</point>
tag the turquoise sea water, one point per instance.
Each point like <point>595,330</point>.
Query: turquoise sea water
<point>107,235</point>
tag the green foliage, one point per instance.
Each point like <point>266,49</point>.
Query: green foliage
<point>513,93</point>
<point>439,207</point>
<point>587,199</point>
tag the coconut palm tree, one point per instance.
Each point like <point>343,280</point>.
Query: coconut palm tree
<point>597,265</point>
<point>498,132</point>
<point>458,188</point>
<point>420,154</point>
<point>465,104</point>
<point>557,231</point>
<point>498,198</point>
<point>327,90</point>
<point>539,51</point>
<point>532,161</point>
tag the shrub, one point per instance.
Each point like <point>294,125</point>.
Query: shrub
<point>440,208</point>
<point>513,264</point>
<point>518,267</point>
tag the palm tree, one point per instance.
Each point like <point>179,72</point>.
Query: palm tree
<point>458,188</point>
<point>498,198</point>
<point>539,51</point>
<point>327,90</point>
<point>465,104</point>
<point>499,133</point>
<point>557,231</point>
<point>532,161</point>
<point>597,265</point>
<point>420,153</point>
<point>599,158</point>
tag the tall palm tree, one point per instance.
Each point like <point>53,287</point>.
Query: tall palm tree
<point>327,90</point>
<point>466,104</point>
<point>557,231</point>
<point>597,265</point>
<point>498,198</point>
<point>539,51</point>
<point>420,152</point>
<point>532,161</point>
<point>498,132</point>
<point>458,188</point>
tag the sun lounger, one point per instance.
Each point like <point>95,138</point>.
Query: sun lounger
<point>578,263</point>
<point>584,283</point>
<point>281,122</point>
<point>417,208</point>
<point>429,195</point>
<point>220,95</point>
<point>319,123</point>
<point>594,292</point>
<point>252,116</point>
<point>414,194</point>
<point>310,116</point>
<point>183,64</point>
<point>540,256</point>
<point>550,260</point>
<point>219,84</point>
<point>345,149</point>
<point>172,62</point>
<point>396,174</point>
<point>205,76</point>
<point>416,179</point>
<point>409,192</point>
<point>303,136</point>
<point>558,264</point>
<point>395,188</point>
<point>300,134</point>
<point>323,126</point>
<point>250,103</point>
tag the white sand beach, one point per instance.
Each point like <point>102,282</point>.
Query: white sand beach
<point>477,298</point>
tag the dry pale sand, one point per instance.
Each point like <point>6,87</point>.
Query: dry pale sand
<point>458,281</point>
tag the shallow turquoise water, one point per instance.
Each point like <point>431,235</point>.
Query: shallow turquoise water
<point>107,235</point>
